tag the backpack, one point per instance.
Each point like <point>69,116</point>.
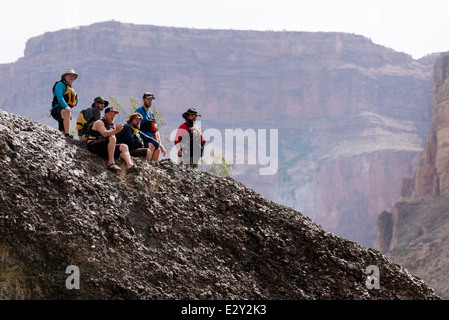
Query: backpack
<point>187,145</point>
<point>150,125</point>
<point>83,125</point>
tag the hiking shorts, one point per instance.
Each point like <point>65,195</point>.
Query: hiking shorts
<point>139,152</point>
<point>82,135</point>
<point>56,114</point>
<point>100,147</point>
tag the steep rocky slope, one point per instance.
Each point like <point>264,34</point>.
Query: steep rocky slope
<point>169,233</point>
<point>415,232</point>
<point>344,106</point>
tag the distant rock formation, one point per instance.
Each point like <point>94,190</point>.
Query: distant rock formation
<point>237,76</point>
<point>418,235</point>
<point>352,115</point>
<point>69,229</point>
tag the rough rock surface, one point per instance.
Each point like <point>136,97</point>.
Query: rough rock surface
<point>168,233</point>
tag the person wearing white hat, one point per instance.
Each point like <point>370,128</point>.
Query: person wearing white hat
<point>64,99</point>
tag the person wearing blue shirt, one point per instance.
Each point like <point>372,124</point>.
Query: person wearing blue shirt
<point>64,99</point>
<point>148,117</point>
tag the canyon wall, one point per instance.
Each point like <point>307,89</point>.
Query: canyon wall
<point>415,232</point>
<point>225,73</point>
<point>342,104</point>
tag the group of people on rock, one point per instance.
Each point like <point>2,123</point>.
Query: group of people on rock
<point>139,137</point>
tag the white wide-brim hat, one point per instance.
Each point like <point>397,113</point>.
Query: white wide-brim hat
<point>70,71</point>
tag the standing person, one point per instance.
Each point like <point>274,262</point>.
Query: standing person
<point>102,141</point>
<point>88,116</point>
<point>64,99</point>
<point>148,124</point>
<point>189,140</point>
<point>139,144</point>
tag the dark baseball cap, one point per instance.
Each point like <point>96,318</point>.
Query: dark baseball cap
<point>110,109</point>
<point>148,95</point>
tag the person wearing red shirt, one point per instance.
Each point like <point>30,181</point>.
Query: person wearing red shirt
<point>189,140</point>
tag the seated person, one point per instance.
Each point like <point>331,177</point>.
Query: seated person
<point>102,141</point>
<point>139,144</point>
<point>89,115</point>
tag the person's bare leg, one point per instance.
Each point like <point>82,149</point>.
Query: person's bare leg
<point>149,153</point>
<point>125,155</point>
<point>156,155</point>
<point>153,153</point>
<point>111,150</point>
<point>65,114</point>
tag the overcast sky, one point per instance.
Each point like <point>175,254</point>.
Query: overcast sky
<point>416,27</point>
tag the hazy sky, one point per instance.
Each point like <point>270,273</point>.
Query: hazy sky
<point>416,27</point>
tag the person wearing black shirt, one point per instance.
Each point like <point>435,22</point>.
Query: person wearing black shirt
<point>139,144</point>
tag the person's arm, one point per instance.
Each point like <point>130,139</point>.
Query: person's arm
<point>182,131</point>
<point>60,89</point>
<point>157,136</point>
<point>203,141</point>
<point>148,139</point>
<point>100,127</point>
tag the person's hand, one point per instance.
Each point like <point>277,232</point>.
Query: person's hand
<point>119,128</point>
<point>180,153</point>
<point>164,152</point>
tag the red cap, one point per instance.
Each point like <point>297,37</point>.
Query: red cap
<point>110,109</point>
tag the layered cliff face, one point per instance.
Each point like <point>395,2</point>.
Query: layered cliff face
<point>171,232</point>
<point>432,175</point>
<point>297,74</point>
<point>343,105</point>
<point>415,233</point>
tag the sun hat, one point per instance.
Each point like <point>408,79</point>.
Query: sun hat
<point>189,112</point>
<point>70,71</point>
<point>100,99</point>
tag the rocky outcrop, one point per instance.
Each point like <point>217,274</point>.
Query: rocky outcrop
<point>384,223</point>
<point>417,236</point>
<point>170,232</point>
<point>340,102</point>
<point>432,176</point>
